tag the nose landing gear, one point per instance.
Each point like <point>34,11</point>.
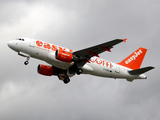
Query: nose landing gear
<point>24,55</point>
<point>27,61</point>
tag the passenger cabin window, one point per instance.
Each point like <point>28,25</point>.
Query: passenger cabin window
<point>20,39</point>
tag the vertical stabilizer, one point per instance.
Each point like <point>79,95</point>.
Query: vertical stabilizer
<point>134,60</point>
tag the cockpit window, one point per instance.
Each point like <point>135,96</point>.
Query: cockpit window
<point>20,39</point>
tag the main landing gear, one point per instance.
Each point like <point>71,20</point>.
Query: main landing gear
<point>79,71</point>
<point>66,80</point>
<point>27,61</point>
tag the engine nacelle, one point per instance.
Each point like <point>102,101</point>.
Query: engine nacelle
<point>45,70</point>
<point>63,56</point>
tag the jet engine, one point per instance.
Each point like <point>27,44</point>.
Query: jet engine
<point>45,70</point>
<point>63,56</point>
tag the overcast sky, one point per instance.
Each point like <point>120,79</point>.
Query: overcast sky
<point>77,24</point>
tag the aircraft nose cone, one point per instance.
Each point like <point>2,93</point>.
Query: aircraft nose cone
<point>9,44</point>
<point>13,45</point>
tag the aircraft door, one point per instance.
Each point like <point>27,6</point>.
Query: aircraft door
<point>117,69</point>
<point>32,43</point>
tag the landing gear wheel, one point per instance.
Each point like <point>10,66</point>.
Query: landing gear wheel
<point>79,71</point>
<point>26,62</point>
<point>66,80</point>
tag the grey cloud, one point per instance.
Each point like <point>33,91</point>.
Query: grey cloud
<point>78,24</point>
<point>11,13</point>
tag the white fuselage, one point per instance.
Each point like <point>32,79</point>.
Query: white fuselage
<point>46,52</point>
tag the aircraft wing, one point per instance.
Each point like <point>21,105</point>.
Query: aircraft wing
<point>84,55</point>
<point>95,50</point>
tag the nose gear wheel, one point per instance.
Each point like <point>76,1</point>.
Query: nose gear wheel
<point>27,61</point>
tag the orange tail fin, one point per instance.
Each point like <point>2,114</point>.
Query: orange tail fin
<point>134,60</point>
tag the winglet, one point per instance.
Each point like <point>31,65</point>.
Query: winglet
<point>124,40</point>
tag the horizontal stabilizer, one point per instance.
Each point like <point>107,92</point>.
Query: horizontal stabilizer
<point>140,71</point>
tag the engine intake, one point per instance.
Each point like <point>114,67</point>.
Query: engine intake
<point>63,56</point>
<point>45,70</point>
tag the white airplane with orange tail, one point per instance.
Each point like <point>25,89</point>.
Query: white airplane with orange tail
<point>65,63</point>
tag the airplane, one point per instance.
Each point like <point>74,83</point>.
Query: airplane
<point>65,63</point>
